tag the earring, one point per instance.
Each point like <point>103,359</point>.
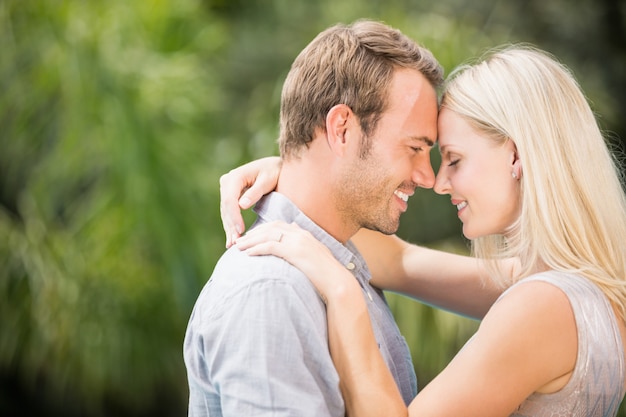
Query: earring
<point>514,175</point>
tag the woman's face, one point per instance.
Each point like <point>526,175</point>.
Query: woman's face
<point>477,174</point>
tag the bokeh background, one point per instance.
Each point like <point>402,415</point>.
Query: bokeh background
<point>117,118</point>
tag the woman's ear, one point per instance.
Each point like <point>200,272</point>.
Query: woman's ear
<point>516,162</point>
<point>339,120</point>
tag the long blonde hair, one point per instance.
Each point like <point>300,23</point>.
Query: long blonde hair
<point>573,207</point>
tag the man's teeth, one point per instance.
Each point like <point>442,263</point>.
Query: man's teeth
<point>404,197</point>
<point>461,205</point>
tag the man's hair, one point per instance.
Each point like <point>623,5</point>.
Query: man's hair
<point>573,208</point>
<point>351,65</point>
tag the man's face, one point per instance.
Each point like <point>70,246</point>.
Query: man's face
<point>373,190</point>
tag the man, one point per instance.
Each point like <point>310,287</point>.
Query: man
<point>358,120</point>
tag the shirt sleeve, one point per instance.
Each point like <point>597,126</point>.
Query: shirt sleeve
<point>267,354</point>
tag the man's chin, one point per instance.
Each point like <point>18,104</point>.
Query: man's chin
<point>386,229</point>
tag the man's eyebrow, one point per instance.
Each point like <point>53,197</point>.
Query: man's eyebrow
<point>423,139</point>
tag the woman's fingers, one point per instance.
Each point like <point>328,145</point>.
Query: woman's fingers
<point>301,249</point>
<point>263,236</point>
<point>287,241</point>
<point>230,190</point>
<point>264,183</point>
<point>241,188</point>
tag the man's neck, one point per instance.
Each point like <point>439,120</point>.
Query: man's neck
<point>308,185</point>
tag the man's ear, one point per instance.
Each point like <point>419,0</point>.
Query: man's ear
<point>339,121</point>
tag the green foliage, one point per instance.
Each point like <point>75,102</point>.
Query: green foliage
<point>117,120</point>
<point>109,201</point>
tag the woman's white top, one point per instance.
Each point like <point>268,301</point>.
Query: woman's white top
<point>596,386</point>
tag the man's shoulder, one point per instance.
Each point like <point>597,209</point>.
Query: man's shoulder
<point>236,268</point>
<point>241,279</point>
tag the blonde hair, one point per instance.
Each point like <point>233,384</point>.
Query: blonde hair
<point>351,65</point>
<point>573,208</point>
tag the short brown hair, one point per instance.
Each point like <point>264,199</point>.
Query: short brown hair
<point>351,65</point>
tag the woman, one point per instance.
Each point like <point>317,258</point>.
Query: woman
<point>526,165</point>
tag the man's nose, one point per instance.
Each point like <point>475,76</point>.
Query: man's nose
<point>423,174</point>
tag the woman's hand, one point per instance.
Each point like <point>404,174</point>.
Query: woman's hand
<point>302,250</point>
<point>364,373</point>
<point>241,188</point>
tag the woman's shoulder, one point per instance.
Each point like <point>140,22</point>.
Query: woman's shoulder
<point>539,305</point>
<point>566,281</point>
<point>532,299</point>
<point>527,340</point>
<point>583,295</point>
<point>534,327</point>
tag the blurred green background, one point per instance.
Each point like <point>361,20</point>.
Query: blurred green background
<point>117,118</point>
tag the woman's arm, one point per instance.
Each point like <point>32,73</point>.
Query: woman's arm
<point>363,371</point>
<point>452,282</point>
<point>526,343</point>
<point>449,281</point>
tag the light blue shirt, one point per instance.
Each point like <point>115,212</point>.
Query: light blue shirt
<point>257,342</point>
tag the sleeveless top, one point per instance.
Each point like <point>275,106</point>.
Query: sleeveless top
<point>596,386</point>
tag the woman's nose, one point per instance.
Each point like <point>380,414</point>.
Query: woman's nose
<point>442,184</point>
